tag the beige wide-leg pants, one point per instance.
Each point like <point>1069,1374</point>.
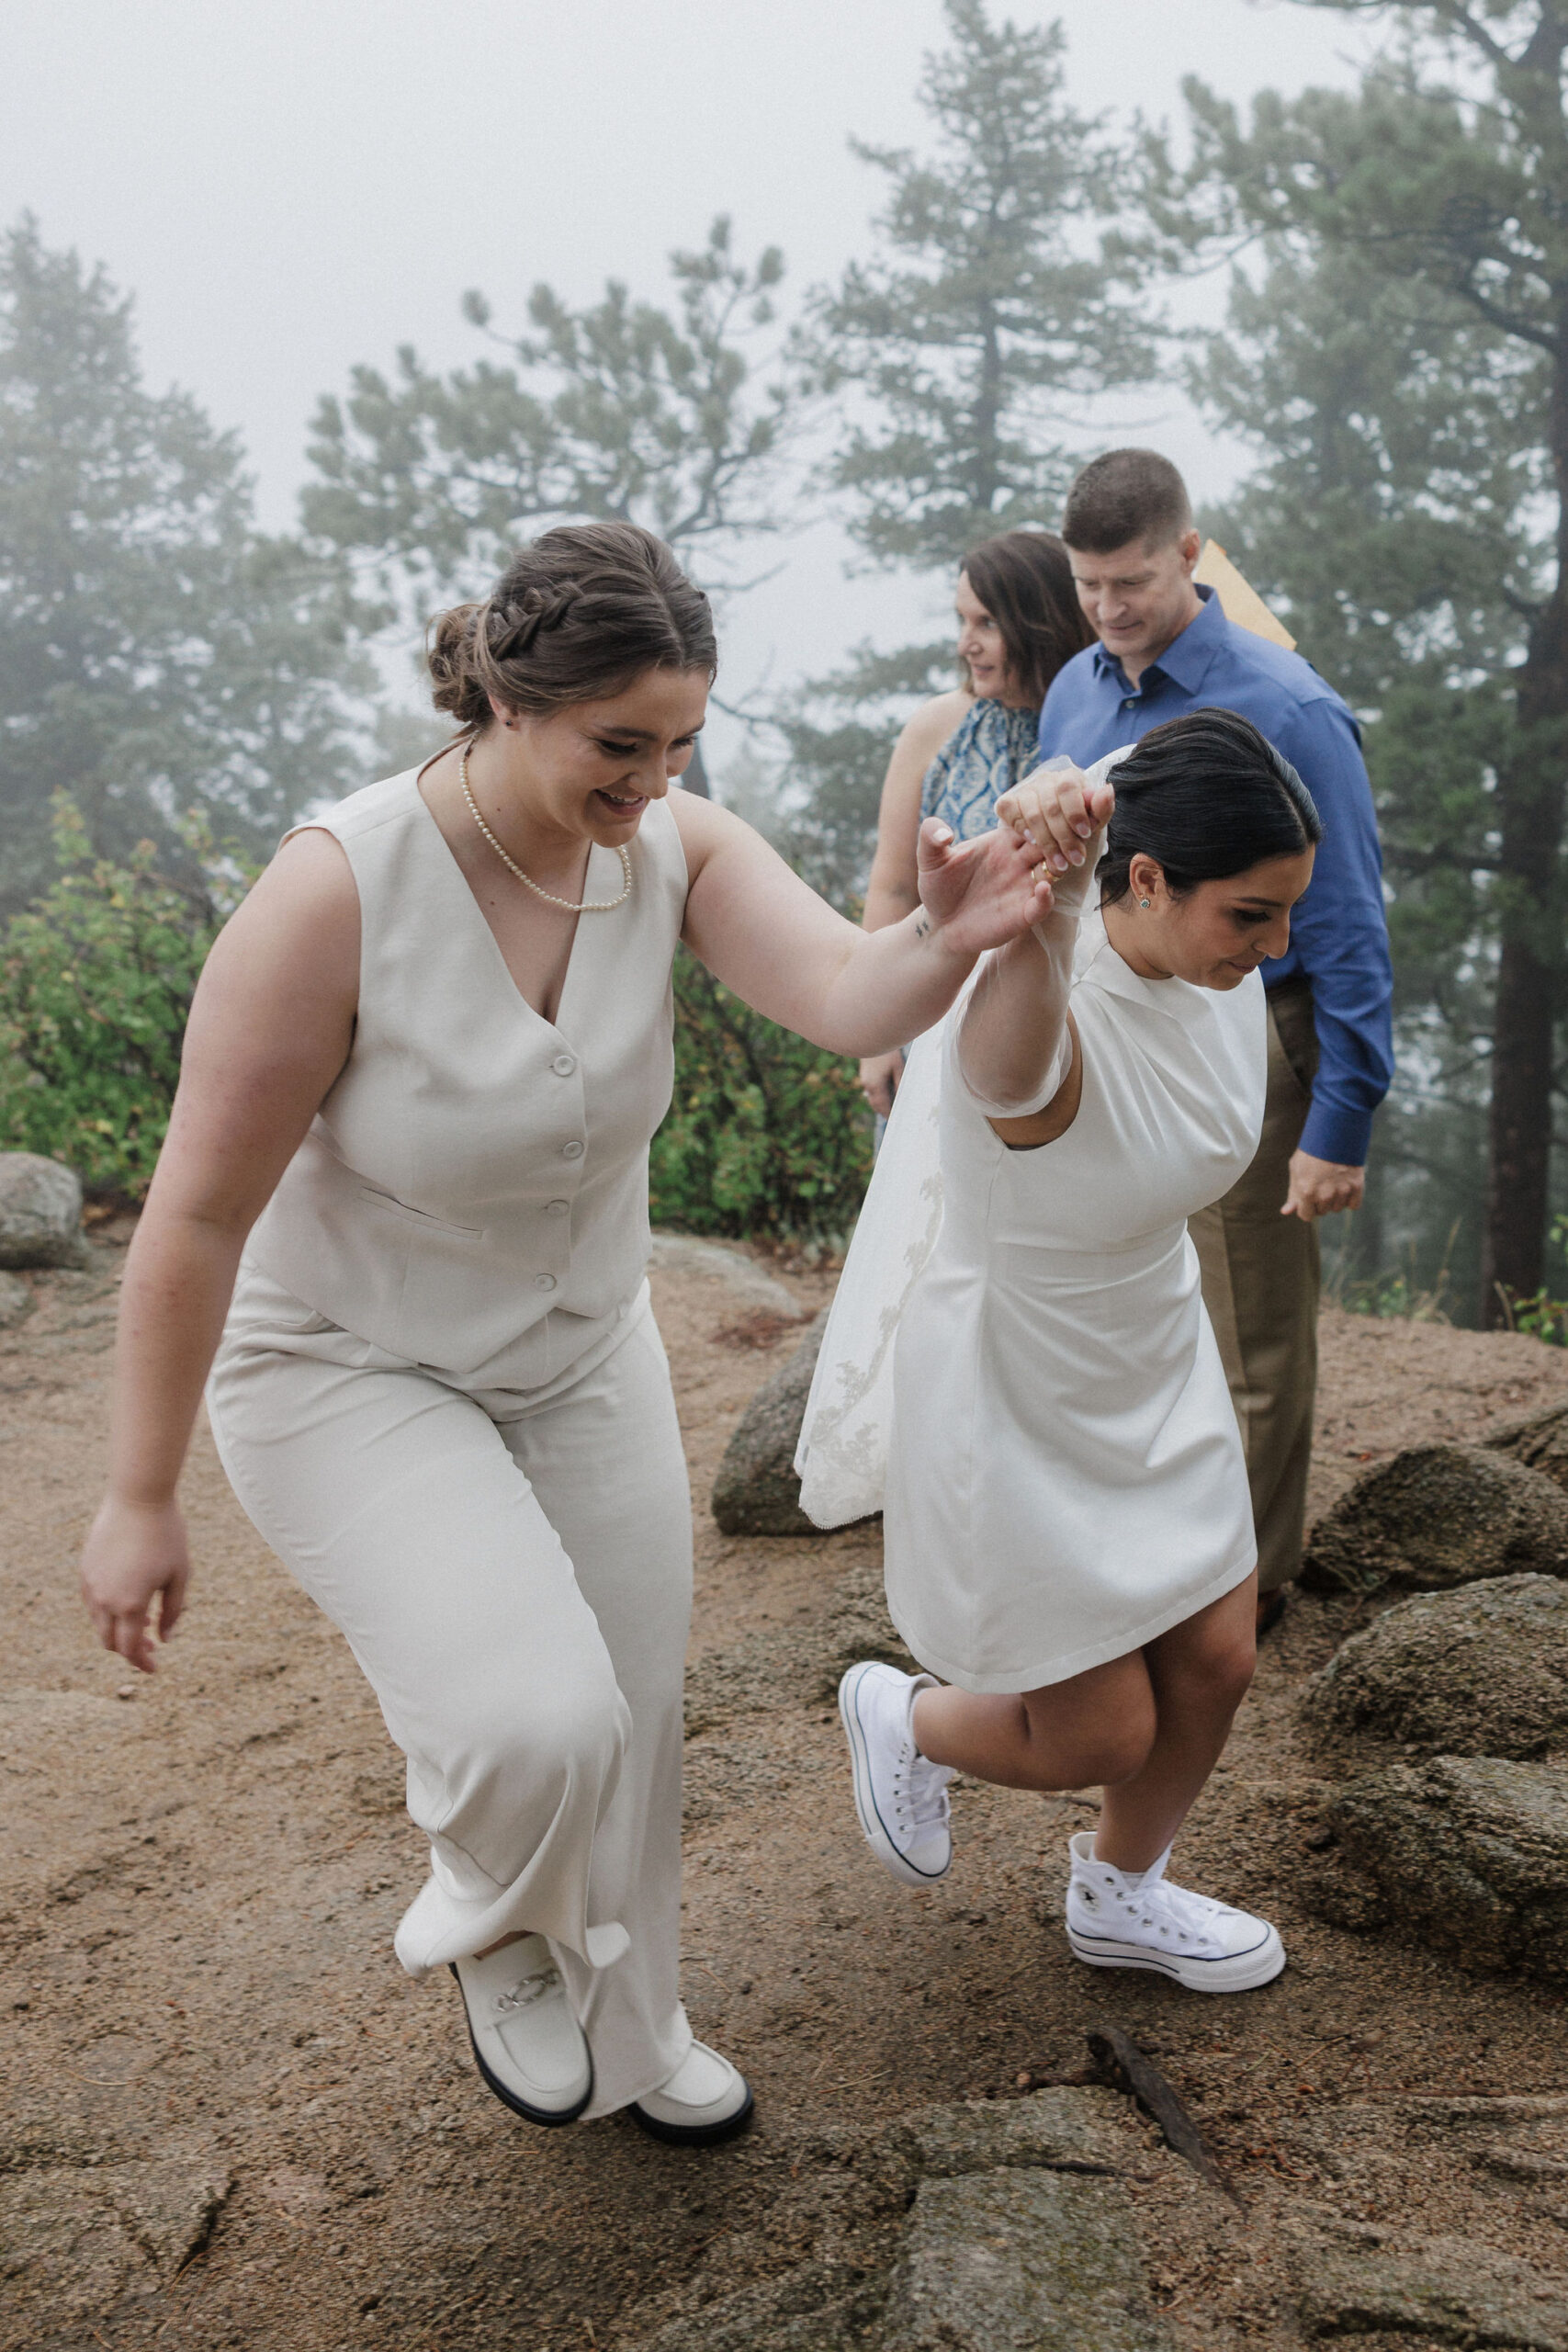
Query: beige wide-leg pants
<point>512,1572</point>
<point>1261,1281</point>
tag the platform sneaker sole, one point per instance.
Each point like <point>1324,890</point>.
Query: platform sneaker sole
<point>1243,1972</point>
<point>872,1828</point>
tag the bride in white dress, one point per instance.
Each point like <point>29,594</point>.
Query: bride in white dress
<point>1032,1390</point>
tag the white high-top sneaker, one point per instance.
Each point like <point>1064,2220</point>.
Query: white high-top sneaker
<point>1116,1920</point>
<point>900,1796</point>
<point>529,2047</point>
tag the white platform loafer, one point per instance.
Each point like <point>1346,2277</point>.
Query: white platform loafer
<point>1120,1921</point>
<point>705,2099</point>
<point>900,1796</point>
<point>527,2046</point>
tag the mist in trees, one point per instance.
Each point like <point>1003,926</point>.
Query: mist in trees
<point>622,411</point>
<point>157,651</point>
<point>1400,360</point>
<point>995,305</point>
<point>1001,297</point>
<point>1393,354</point>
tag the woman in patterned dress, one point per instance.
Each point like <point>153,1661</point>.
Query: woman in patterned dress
<point>1018,620</point>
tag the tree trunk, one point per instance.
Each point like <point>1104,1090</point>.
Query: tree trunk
<point>1520,1131</point>
<point>1530,975</point>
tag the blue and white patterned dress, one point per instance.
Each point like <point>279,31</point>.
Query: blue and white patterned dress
<point>988,752</point>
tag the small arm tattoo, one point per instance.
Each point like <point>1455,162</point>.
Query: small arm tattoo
<point>922,926</point>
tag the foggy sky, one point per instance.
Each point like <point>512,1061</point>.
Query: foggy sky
<point>289,187</point>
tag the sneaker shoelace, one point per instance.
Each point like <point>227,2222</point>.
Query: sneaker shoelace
<point>919,1791</point>
<point>527,1990</point>
<point>1173,1913</point>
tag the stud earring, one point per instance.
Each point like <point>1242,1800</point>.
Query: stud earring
<point>1144,902</point>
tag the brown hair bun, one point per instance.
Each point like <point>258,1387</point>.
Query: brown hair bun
<point>575,616</point>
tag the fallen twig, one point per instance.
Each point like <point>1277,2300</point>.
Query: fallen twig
<point>1124,2065</point>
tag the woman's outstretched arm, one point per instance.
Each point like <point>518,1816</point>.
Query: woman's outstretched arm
<point>1017,1051</point>
<point>1016,1047</point>
<point>270,1031</point>
<point>776,943</point>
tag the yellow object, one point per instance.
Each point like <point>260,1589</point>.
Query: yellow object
<point>1239,601</point>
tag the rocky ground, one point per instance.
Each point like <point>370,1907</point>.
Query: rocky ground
<point>231,2121</point>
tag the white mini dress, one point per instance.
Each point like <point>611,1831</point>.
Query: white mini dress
<point>1064,1478</point>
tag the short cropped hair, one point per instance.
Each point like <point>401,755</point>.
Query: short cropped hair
<point>1127,494</point>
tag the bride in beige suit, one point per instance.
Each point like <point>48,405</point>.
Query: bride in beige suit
<point>402,1221</point>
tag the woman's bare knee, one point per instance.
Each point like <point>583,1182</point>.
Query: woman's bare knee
<point>1225,1667</point>
<point>1110,1745</point>
<point>1120,1756</point>
<point>1213,1666</point>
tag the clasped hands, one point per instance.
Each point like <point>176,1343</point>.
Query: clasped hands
<point>1063,816</point>
<point>989,889</point>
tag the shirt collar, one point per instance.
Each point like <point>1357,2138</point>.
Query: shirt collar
<point>1186,659</point>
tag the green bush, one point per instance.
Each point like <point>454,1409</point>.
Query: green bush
<point>95,982</point>
<point>766,1135</point>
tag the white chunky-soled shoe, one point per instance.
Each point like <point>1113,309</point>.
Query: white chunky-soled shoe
<point>1120,1921</point>
<point>901,1798</point>
<point>705,2099</point>
<point>527,2044</point>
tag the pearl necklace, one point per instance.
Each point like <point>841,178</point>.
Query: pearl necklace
<point>588,906</point>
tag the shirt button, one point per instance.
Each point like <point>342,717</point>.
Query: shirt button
<point>564,1064</point>
<point>572,1150</point>
<point>1127,704</point>
<point>557,1208</point>
<point>543,1282</point>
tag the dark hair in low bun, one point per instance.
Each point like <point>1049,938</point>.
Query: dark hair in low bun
<point>1205,796</point>
<point>575,616</point>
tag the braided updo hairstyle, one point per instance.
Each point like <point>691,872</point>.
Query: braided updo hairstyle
<point>575,616</point>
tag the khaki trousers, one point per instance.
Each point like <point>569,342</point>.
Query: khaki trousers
<point>1261,1285</point>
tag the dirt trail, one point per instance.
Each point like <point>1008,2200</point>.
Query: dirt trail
<point>233,2121</point>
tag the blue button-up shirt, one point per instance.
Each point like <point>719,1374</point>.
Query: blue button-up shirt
<point>1338,933</point>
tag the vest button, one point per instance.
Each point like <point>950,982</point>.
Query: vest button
<point>564,1064</point>
<point>543,1282</point>
<point>557,1208</point>
<point>572,1150</point>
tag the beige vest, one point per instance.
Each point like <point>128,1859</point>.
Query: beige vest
<point>473,1193</point>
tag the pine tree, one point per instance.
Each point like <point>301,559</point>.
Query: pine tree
<point>156,652</point>
<point>1438,208</point>
<point>620,411</point>
<point>1004,298</point>
<point>1392,516</point>
<point>1001,302</point>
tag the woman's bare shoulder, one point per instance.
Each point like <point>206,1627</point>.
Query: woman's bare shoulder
<point>311,872</point>
<point>934,721</point>
<point>299,922</point>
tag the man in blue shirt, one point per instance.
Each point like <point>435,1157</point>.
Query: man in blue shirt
<point>1164,646</point>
